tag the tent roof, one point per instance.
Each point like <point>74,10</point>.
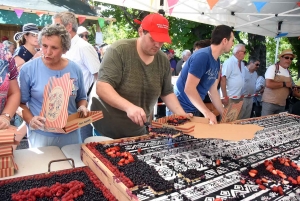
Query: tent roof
<point>50,6</point>
<point>276,17</point>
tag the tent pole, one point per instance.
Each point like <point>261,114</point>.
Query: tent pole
<point>277,46</point>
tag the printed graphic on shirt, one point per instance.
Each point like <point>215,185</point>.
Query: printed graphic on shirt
<point>212,73</point>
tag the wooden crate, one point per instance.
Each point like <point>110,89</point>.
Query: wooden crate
<point>116,187</point>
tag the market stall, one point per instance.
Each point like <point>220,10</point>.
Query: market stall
<point>170,165</point>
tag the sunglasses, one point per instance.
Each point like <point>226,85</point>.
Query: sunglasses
<point>290,58</point>
<point>257,64</point>
<point>84,35</point>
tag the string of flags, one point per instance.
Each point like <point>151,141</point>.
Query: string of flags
<point>81,19</point>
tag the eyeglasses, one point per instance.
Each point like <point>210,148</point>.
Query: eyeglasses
<point>243,52</point>
<point>84,35</point>
<point>290,58</point>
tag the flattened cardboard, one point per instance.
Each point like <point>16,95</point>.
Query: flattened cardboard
<point>199,127</point>
<point>232,132</point>
<point>232,111</point>
<point>55,107</point>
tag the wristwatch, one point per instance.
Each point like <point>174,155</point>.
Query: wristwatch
<point>7,115</point>
<point>284,85</point>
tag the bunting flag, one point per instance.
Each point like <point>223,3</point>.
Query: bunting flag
<point>101,22</point>
<point>40,13</point>
<point>298,3</point>
<point>151,2</point>
<point>212,3</point>
<point>171,4</point>
<point>259,5</point>
<point>19,12</point>
<point>281,35</point>
<point>81,19</point>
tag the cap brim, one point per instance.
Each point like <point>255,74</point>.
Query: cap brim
<point>161,37</point>
<point>18,35</point>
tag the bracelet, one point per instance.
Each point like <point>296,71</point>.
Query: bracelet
<point>284,84</point>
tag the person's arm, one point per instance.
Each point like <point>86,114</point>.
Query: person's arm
<point>276,85</point>
<point>19,62</point>
<point>191,91</point>
<point>13,98</point>
<point>215,97</point>
<point>11,105</point>
<point>173,104</point>
<point>225,99</point>
<point>108,94</point>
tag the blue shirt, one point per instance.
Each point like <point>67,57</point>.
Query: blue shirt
<point>202,65</point>
<point>34,75</point>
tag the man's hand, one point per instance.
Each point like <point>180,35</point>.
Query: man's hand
<point>289,84</point>
<point>37,122</point>
<point>212,118</point>
<point>225,101</point>
<point>137,115</point>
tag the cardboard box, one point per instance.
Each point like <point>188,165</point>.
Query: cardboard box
<point>232,111</point>
<point>6,172</point>
<point>55,107</point>
<point>6,150</point>
<point>6,162</point>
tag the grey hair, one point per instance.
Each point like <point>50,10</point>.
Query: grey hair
<point>8,43</point>
<point>237,47</point>
<point>67,17</point>
<point>56,30</point>
<point>184,53</point>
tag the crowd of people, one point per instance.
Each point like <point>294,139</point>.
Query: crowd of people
<point>125,79</point>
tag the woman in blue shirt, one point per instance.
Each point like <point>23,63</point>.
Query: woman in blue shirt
<point>35,74</point>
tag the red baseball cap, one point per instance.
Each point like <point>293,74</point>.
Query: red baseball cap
<point>172,51</point>
<point>158,27</point>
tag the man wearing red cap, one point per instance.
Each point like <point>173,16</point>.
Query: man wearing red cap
<point>133,74</point>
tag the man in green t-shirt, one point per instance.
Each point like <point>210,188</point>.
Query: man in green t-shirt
<point>134,73</point>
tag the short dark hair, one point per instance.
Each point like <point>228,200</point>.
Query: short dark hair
<point>252,59</point>
<point>219,33</point>
<point>201,43</point>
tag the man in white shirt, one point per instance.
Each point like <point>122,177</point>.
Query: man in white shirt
<point>250,77</point>
<point>232,74</point>
<point>81,52</point>
<point>278,84</point>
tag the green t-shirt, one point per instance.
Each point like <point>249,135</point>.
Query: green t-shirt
<point>135,81</point>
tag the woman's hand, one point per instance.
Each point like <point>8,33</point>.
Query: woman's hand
<point>4,122</point>
<point>83,110</point>
<point>37,122</point>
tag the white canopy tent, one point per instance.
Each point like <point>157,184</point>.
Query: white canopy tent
<point>274,18</point>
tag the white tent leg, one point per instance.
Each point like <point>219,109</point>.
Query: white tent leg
<point>277,46</point>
